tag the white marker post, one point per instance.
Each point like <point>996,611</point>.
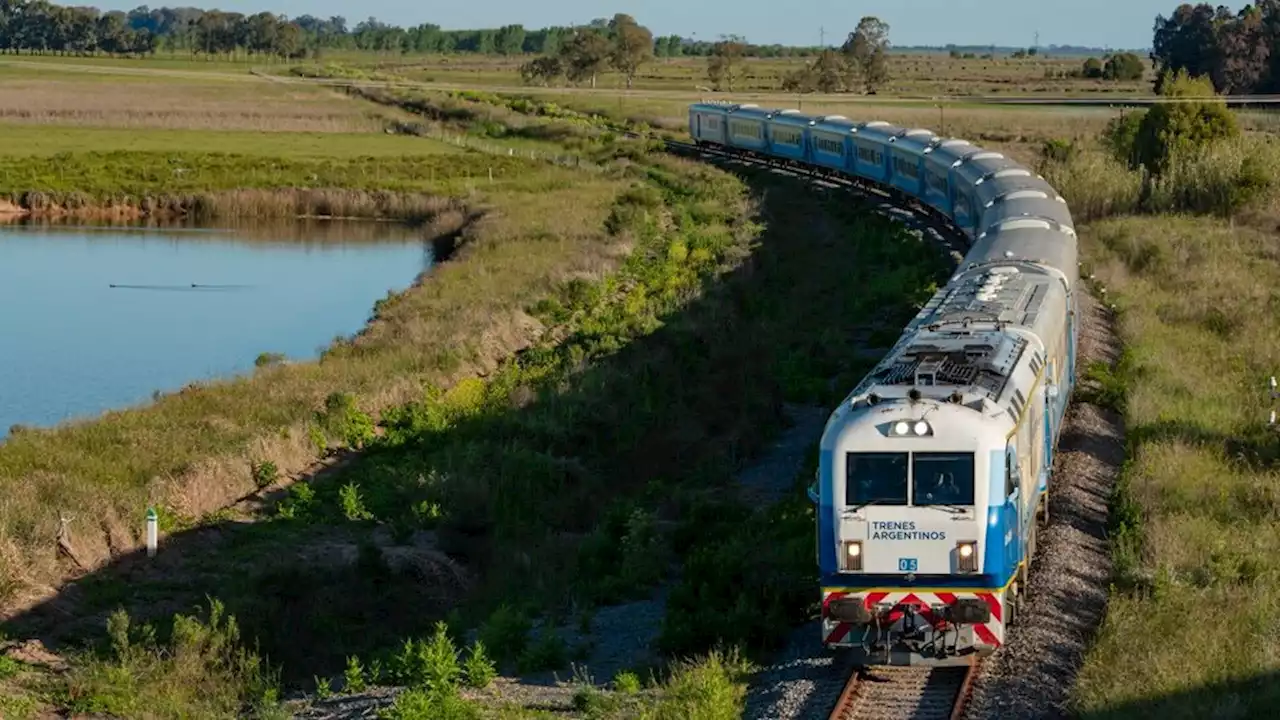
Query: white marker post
<point>152,532</point>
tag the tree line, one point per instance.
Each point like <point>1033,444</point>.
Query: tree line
<point>1239,52</point>
<point>37,26</point>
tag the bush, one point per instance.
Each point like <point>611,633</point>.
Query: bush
<point>1178,128</point>
<point>1123,66</point>
<point>203,671</point>
<point>1121,137</point>
<point>1220,179</point>
<point>478,669</point>
<point>711,688</point>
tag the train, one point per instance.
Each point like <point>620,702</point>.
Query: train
<point>934,471</point>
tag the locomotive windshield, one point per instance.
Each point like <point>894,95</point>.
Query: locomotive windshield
<point>879,478</point>
<point>942,478</point>
<point>936,478</point>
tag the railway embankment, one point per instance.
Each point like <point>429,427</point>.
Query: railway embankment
<point>1182,252</point>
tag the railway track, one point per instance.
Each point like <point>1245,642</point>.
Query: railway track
<point>905,693</point>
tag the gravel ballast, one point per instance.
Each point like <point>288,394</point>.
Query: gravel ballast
<point>1032,676</point>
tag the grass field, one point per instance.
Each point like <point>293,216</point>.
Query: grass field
<point>1200,503</point>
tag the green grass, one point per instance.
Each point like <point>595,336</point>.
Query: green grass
<point>103,175</point>
<point>24,141</point>
<point>1196,541</point>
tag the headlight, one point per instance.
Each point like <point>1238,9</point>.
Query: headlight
<point>967,556</point>
<point>852,554</point>
<point>919,428</point>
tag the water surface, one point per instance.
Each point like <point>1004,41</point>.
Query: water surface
<point>71,345</point>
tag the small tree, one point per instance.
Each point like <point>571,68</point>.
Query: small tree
<point>585,55</point>
<point>632,46</point>
<point>867,49</point>
<point>724,62</point>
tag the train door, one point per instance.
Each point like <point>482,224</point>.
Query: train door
<point>1013,513</point>
<point>697,126</point>
<point>1050,413</point>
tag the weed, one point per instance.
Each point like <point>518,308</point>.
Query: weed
<point>478,669</point>
<point>9,667</point>
<point>353,504</point>
<point>202,671</point>
<point>418,704</point>
<point>265,474</point>
<point>353,676</point>
<point>429,664</point>
<point>547,652</point>
<point>626,682</point>
<point>505,633</point>
<point>708,688</point>
<point>323,689</point>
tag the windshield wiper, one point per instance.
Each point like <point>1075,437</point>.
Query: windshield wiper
<point>953,509</point>
<point>877,501</point>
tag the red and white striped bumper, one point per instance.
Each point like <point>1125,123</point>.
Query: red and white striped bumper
<point>902,620</point>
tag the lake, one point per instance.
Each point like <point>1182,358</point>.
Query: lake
<point>188,304</point>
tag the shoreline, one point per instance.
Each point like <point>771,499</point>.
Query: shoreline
<point>276,204</point>
<point>191,451</point>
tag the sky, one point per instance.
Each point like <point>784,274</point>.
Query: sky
<point>1095,23</point>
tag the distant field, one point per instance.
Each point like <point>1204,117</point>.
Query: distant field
<point>920,75</point>
<point>37,140</point>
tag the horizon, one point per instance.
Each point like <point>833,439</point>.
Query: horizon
<point>959,22</point>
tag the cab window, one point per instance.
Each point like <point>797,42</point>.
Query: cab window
<point>879,478</point>
<point>942,478</point>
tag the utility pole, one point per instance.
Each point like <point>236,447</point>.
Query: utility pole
<point>1036,45</point>
<point>822,37</point>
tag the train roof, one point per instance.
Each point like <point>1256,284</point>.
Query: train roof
<point>788,116</point>
<point>833,123</point>
<point>753,112</point>
<point>949,151</point>
<point>914,140</point>
<point>1024,238</point>
<point>968,344</point>
<point>878,131</point>
<point>1031,203</point>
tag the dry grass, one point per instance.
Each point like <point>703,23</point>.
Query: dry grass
<point>192,105</point>
<point>1197,597</point>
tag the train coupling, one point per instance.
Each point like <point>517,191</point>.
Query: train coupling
<point>963,611</point>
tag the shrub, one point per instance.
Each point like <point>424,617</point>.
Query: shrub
<point>203,671</point>
<point>264,474</point>
<point>710,688</point>
<point>1121,136</point>
<point>429,664</point>
<point>505,633</point>
<point>478,668</point>
<point>627,682</point>
<point>430,705</point>
<point>547,653</point>
<point>1169,129</point>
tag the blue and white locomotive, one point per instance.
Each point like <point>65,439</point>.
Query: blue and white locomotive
<point>934,471</point>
